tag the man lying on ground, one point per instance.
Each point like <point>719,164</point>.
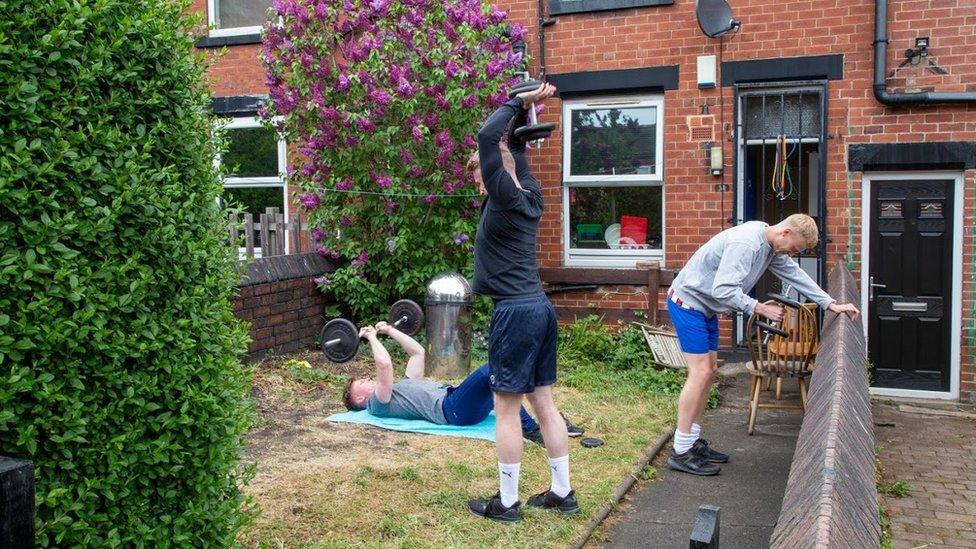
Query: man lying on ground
<point>414,397</point>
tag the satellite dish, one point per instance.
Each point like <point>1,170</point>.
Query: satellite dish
<point>715,17</point>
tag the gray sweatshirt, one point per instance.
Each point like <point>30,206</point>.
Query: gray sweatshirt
<point>717,277</point>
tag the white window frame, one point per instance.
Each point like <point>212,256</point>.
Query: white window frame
<point>233,31</point>
<point>582,257</point>
<point>269,181</point>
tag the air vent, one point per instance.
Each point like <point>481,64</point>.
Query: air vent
<point>701,128</point>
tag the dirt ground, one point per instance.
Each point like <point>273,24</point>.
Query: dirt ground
<point>293,411</point>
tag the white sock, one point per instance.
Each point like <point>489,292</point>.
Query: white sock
<point>508,480</point>
<point>683,441</point>
<point>696,431</point>
<point>560,475</point>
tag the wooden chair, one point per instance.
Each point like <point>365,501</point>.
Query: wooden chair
<point>791,321</point>
<point>777,356</point>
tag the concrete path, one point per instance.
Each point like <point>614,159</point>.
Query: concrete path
<point>749,490</point>
<point>934,452</point>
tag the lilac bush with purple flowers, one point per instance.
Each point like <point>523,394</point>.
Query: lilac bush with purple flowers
<point>382,100</point>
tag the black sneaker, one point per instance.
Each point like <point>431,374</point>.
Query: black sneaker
<point>493,509</point>
<point>566,505</point>
<point>571,429</point>
<point>713,456</point>
<point>535,435</point>
<point>691,462</point>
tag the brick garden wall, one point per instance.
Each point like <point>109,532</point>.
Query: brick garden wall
<point>669,35</point>
<point>281,303</point>
<point>830,498</point>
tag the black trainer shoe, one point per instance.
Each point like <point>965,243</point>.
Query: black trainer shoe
<point>492,508</point>
<point>548,500</point>
<point>571,429</point>
<point>535,435</point>
<point>691,462</point>
<point>713,456</point>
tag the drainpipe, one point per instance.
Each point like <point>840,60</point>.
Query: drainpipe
<point>881,88</point>
<point>543,23</point>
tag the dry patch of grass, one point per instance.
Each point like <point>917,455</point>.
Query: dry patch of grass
<point>321,484</point>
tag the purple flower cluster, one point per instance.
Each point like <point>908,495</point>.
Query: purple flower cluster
<point>362,260</point>
<point>365,115</point>
<point>309,200</point>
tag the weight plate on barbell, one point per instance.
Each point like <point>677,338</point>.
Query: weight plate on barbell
<point>522,87</point>
<point>409,315</point>
<point>339,340</point>
<point>534,131</point>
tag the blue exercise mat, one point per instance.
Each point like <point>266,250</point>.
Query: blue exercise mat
<point>484,430</point>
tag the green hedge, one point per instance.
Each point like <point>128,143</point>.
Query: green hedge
<point>120,373</point>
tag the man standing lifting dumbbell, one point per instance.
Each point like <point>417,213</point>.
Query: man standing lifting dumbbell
<point>522,344</point>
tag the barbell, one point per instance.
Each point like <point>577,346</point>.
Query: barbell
<point>533,131</point>
<point>339,338</point>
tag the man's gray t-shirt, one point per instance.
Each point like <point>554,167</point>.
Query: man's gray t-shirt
<point>412,399</point>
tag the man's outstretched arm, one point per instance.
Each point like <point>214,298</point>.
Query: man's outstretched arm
<point>415,352</point>
<point>384,365</point>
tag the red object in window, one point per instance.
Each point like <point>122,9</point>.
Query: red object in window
<point>634,227</point>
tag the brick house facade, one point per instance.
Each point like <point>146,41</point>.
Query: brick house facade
<point>794,84</point>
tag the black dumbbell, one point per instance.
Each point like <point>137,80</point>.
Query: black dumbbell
<point>530,132</point>
<point>339,338</point>
<point>771,329</point>
<point>783,300</point>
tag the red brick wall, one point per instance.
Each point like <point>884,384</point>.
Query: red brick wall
<point>669,35</point>
<point>281,303</point>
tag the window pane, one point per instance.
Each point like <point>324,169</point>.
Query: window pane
<point>251,152</point>
<point>241,13</point>
<point>613,141</point>
<point>615,217</point>
<point>795,114</point>
<point>255,199</point>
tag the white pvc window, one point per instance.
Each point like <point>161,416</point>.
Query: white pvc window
<point>254,164</point>
<point>613,191</point>
<point>236,17</point>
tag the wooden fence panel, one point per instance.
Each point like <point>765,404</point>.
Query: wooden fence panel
<point>276,234</point>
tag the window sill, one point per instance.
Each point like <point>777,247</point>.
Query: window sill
<point>566,7</point>
<point>232,40</point>
<point>601,276</point>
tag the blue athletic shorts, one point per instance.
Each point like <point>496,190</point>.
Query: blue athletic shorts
<point>697,333</point>
<point>522,345</point>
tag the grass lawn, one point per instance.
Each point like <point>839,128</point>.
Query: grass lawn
<point>321,484</point>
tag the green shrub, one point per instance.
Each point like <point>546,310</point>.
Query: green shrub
<point>120,375</point>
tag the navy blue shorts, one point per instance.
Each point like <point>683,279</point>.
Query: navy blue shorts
<point>522,345</point>
<point>697,333</point>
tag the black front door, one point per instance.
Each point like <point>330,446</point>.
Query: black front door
<point>910,270</point>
